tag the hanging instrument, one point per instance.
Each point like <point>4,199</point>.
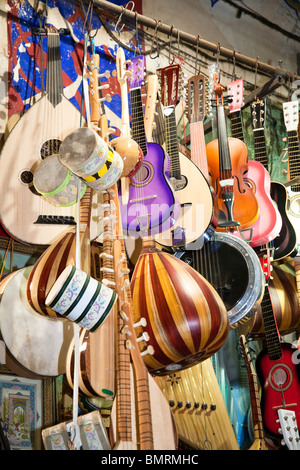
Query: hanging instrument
<point>26,214</point>
<point>227,162</point>
<point>190,185</point>
<point>228,263</point>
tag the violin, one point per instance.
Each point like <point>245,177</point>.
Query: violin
<point>227,160</point>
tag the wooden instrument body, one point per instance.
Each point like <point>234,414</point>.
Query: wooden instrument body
<point>186,320</point>
<point>245,205</point>
<point>283,294</point>
<point>280,382</point>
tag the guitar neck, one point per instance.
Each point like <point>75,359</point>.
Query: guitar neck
<point>271,331</point>
<point>137,119</point>
<point>198,150</point>
<point>260,152</point>
<point>258,427</point>
<point>294,157</point>
<point>224,155</point>
<point>54,85</point>
<point>236,125</point>
<point>172,142</point>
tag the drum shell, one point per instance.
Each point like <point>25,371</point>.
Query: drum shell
<point>186,319</point>
<point>81,298</point>
<point>63,190</point>
<point>108,174</point>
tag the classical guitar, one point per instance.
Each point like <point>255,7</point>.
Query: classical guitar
<point>152,203</point>
<point>269,222</point>
<point>278,370</point>
<point>284,244</point>
<point>25,214</point>
<point>291,120</point>
<point>227,162</point>
<point>192,188</point>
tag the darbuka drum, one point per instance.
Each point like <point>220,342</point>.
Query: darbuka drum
<point>87,155</point>
<point>81,298</point>
<point>56,182</point>
<point>233,269</point>
<point>131,154</point>
<point>38,343</point>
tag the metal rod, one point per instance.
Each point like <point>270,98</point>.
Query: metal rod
<point>193,40</point>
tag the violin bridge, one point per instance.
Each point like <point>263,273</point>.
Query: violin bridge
<point>227,182</point>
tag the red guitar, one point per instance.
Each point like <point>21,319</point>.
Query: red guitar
<point>278,370</point>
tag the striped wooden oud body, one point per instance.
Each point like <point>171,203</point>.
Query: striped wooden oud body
<point>187,321</point>
<point>283,294</point>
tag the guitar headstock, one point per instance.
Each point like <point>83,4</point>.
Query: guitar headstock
<point>169,84</point>
<point>137,69</point>
<point>265,257</point>
<point>291,115</point>
<point>235,90</point>
<point>196,98</point>
<point>258,114</point>
<point>289,428</point>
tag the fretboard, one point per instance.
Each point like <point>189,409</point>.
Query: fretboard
<point>260,152</point>
<point>198,150</point>
<point>224,155</point>
<point>54,86</point>
<point>137,119</point>
<point>271,332</point>
<point>172,142</point>
<point>236,125</point>
<point>294,158</point>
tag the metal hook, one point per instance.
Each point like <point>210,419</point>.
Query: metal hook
<point>170,42</point>
<point>256,67</point>
<point>196,60</point>
<point>233,61</point>
<point>120,17</point>
<point>155,37</point>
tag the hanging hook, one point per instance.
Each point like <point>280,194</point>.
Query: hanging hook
<point>120,17</point>
<point>196,60</point>
<point>233,69</point>
<point>170,41</point>
<point>152,44</point>
<point>255,77</point>
<point>137,48</point>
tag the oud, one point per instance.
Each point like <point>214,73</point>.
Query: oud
<point>25,214</point>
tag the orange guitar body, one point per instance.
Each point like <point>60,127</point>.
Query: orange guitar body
<point>245,206</point>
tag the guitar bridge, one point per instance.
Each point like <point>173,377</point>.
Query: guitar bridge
<point>55,220</point>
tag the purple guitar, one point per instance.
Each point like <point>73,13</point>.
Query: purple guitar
<point>152,205</point>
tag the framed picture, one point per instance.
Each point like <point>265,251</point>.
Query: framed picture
<point>25,408</point>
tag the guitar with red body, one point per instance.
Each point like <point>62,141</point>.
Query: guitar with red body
<point>279,373</point>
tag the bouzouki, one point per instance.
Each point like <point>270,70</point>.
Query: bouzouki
<point>151,202</point>
<point>190,185</point>
<point>269,222</point>
<point>25,214</point>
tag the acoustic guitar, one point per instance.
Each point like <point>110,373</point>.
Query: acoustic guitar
<point>190,185</point>
<point>25,213</point>
<point>152,203</point>
<point>269,222</point>
<point>291,120</point>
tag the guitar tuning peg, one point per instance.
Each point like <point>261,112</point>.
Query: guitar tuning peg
<point>123,315</point>
<point>126,284</point>
<point>125,330</point>
<point>106,74</point>
<point>143,337</point>
<point>128,344</point>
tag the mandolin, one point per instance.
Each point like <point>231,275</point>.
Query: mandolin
<point>190,185</point>
<point>269,222</point>
<point>26,214</point>
<point>152,203</point>
<point>227,159</point>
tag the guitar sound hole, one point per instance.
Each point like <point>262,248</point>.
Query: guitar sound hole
<point>280,376</point>
<point>26,178</point>
<point>144,175</point>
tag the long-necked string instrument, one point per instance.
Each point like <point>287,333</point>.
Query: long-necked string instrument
<point>137,394</point>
